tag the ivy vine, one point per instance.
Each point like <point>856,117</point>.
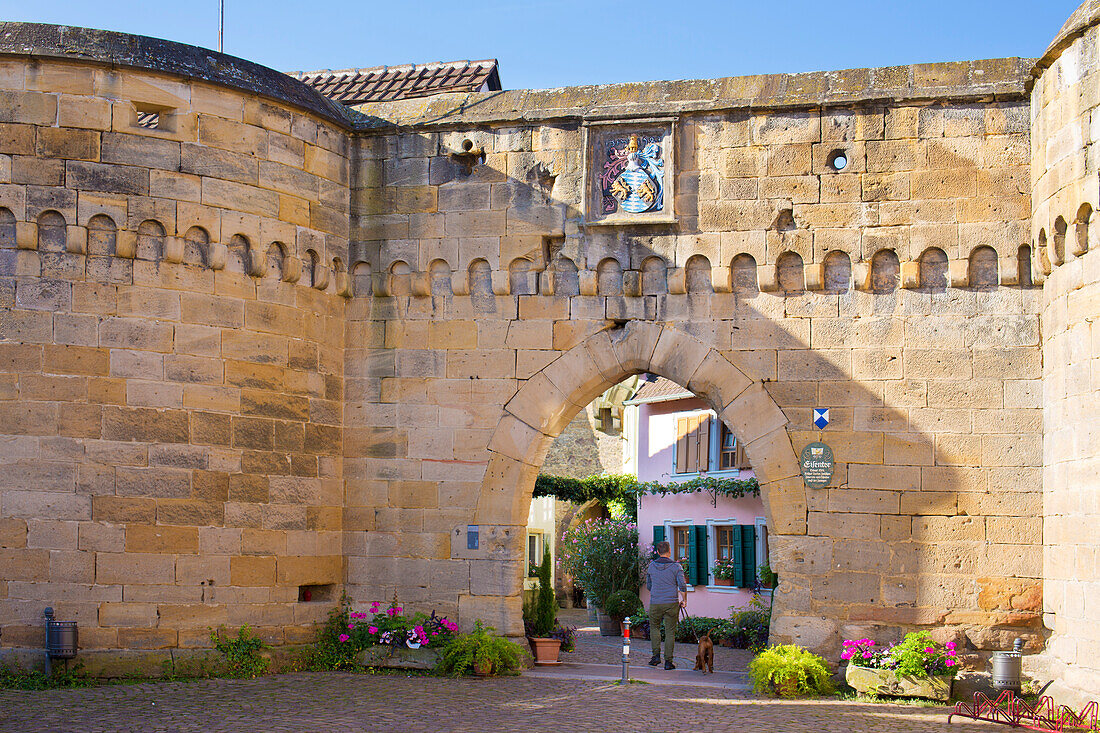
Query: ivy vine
<point>625,488</point>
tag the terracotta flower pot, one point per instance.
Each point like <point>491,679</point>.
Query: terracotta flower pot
<point>724,581</point>
<point>545,651</point>
<point>483,669</point>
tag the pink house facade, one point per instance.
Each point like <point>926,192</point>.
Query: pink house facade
<point>671,437</point>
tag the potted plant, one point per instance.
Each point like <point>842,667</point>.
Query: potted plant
<point>541,619</point>
<point>790,671</point>
<point>481,652</point>
<point>916,667</point>
<point>622,604</point>
<point>602,557</point>
<point>724,572</point>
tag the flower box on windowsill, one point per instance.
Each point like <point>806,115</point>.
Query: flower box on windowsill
<point>398,657</point>
<point>888,682</point>
<point>727,582</point>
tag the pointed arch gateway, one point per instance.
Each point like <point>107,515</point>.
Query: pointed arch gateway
<point>547,401</point>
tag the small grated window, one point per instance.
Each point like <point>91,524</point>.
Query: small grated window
<point>148,120</point>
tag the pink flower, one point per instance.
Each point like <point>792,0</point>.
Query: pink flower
<point>351,626</point>
<point>344,637</point>
<point>929,650</point>
<point>374,607</point>
<point>397,610</point>
<point>866,655</point>
<point>950,645</point>
<point>950,662</point>
<point>846,655</point>
<point>372,629</point>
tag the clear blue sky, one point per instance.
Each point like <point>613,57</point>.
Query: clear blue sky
<point>546,44</point>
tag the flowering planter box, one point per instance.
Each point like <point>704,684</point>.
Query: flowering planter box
<point>728,582</point>
<point>889,682</point>
<point>398,657</point>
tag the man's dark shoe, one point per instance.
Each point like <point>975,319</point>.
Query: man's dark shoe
<point>670,665</point>
<point>655,660</point>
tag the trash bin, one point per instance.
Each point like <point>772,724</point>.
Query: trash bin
<point>61,637</point>
<point>1007,668</point>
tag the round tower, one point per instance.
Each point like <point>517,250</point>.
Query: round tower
<point>1065,174</point>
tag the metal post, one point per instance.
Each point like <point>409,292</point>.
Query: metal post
<point>48,613</point>
<point>626,649</point>
<point>221,23</point>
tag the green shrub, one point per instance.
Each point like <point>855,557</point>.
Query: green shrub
<point>622,603</point>
<point>602,556</point>
<point>242,652</point>
<point>691,628</point>
<point>790,671</point>
<point>481,648</point>
<point>544,613</point>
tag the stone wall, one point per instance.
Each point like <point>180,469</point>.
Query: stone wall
<point>582,449</point>
<point>251,342</point>
<point>887,291</point>
<point>1065,121</point>
<point>171,387</point>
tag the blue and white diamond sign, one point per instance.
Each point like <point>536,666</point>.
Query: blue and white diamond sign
<point>821,418</point>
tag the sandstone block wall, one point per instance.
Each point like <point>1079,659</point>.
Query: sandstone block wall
<point>1065,191</point>
<point>888,291</point>
<point>252,344</point>
<point>171,391</point>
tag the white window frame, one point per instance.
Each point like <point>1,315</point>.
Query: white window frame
<point>712,553</point>
<point>761,523</point>
<point>669,524</point>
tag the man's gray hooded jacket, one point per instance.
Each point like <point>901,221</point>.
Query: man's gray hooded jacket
<point>663,579</point>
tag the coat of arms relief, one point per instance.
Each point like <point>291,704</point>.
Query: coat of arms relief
<point>629,177</point>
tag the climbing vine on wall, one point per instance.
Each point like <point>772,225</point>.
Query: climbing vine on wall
<point>625,488</point>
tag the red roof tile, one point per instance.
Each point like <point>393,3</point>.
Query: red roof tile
<point>386,83</point>
<point>660,390</point>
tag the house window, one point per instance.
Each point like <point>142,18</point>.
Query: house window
<point>534,553</point>
<point>739,545</point>
<point>731,452</point>
<point>693,443</point>
<point>723,541</point>
<point>681,541</point>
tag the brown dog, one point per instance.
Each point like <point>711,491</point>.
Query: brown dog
<point>704,660</point>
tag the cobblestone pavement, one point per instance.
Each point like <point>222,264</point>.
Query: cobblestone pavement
<point>339,702</point>
<point>595,649</point>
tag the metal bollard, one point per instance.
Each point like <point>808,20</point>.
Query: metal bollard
<point>626,650</point>
<point>1007,668</point>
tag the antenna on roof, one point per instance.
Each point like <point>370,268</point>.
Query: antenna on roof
<point>221,23</point>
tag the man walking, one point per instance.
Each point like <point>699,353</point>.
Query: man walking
<point>667,595</point>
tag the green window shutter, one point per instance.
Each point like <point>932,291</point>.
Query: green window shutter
<point>701,560</point>
<point>658,533</point>
<point>748,553</point>
<point>693,558</point>
<point>738,563</point>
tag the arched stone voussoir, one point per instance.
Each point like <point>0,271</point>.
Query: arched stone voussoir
<point>718,381</point>
<point>602,352</point>
<point>634,344</point>
<point>503,499</point>
<point>516,439</point>
<point>539,402</point>
<point>753,413</point>
<point>772,456</point>
<point>677,355</point>
<point>577,377</point>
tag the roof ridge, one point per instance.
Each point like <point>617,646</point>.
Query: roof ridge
<point>466,63</point>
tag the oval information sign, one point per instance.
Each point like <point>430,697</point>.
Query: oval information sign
<point>817,465</point>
